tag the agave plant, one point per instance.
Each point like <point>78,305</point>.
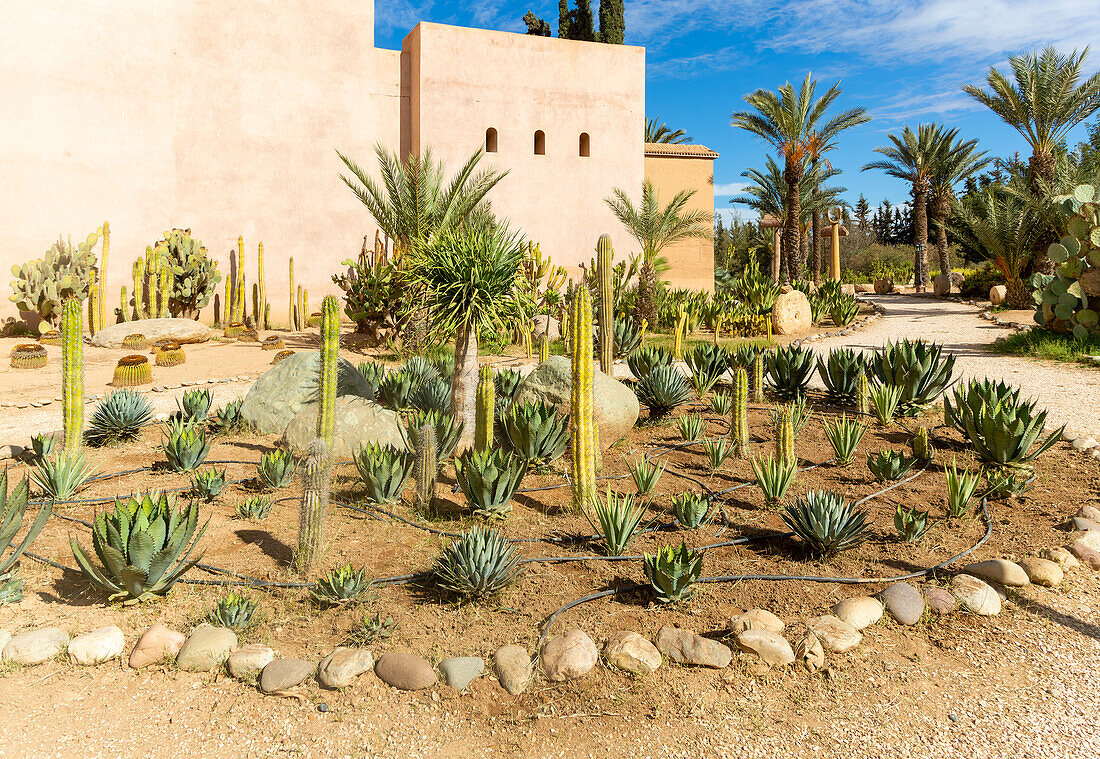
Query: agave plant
<point>489,479</point>
<point>843,310</point>
<point>254,507</point>
<point>918,370</point>
<point>910,523</point>
<point>144,547</point>
<point>721,403</point>
<point>884,403</point>
<point>962,486</point>
<point>1005,432</point>
<point>825,522</point>
<point>889,466</point>
<point>420,368</point>
<point>717,450</point>
<point>789,371</point>
<point>185,446</point>
<point>845,435</point>
<point>507,383</point>
<point>42,447</point>
<point>536,432</point>
<point>774,477</point>
<point>672,572</point>
<point>61,475</point>
<point>370,629</point>
<point>444,363</point>
<point>195,405</point>
<point>618,519</point>
<point>208,484</point>
<point>447,432</point>
<point>480,563</point>
<point>662,390</point>
<point>691,427</point>
<point>234,611</point>
<point>395,389</point>
<point>840,374</point>
<point>372,372</point>
<point>1003,482</point>
<point>276,469</point>
<point>800,412</point>
<point>13,507</point>
<point>119,416</point>
<point>383,470</point>
<point>707,363</point>
<point>626,337</point>
<point>690,509</point>
<point>228,418</point>
<point>432,394</point>
<point>969,399</point>
<point>343,585</point>
<point>646,475</point>
<point>644,360</point>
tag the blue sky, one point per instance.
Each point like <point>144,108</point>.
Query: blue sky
<point>902,60</point>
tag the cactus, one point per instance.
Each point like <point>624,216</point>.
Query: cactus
<point>305,308</point>
<point>227,302</point>
<point>139,288</point>
<point>922,446</point>
<point>485,412</point>
<point>784,435</point>
<point>581,419</point>
<point>123,306</point>
<point>163,290</point>
<point>256,305</point>
<point>544,348</point>
<point>863,394</point>
<point>426,468</point>
<point>291,316</point>
<point>72,374</point>
<point>131,371</point>
<point>330,347</point>
<point>238,294</point>
<point>261,312</point>
<point>101,308</point>
<point>192,275</point>
<point>63,272</point>
<point>606,313</point>
<point>739,423</point>
<point>28,356</point>
<point>315,492</point>
<point>678,340</point>
<point>758,377</point>
<point>94,325</point>
<point>1066,300</point>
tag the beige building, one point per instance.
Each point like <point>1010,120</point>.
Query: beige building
<point>224,116</point>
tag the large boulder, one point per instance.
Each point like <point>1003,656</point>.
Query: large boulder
<point>997,294</point>
<point>176,330</point>
<point>941,285</point>
<point>791,314</point>
<point>358,422</point>
<point>285,389</point>
<point>615,404</point>
<point>545,324</point>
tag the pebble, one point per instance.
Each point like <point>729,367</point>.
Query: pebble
<point>98,646</point>
<point>513,667</point>
<point>999,570</point>
<point>1083,443</point>
<point>404,671</point>
<point>904,602</point>
<point>206,648</point>
<point>772,648</point>
<point>460,671</point>
<point>835,634</point>
<point>155,645</point>
<point>340,668</point>
<point>859,611</point>
<point>631,652</point>
<point>247,662</point>
<point>756,619</point>
<point>1043,572</point>
<point>809,652</point>
<point>570,655</point>
<point>976,596</point>
<point>283,674</point>
<point>35,647</point>
<point>1061,557</point>
<point>685,647</point>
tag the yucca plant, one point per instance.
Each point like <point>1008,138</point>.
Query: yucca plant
<point>962,486</point>
<point>618,519</point>
<point>644,360</point>
<point>918,370</point>
<point>889,466</point>
<point>691,427</point>
<point>228,418</point>
<point>144,547</point>
<point>341,586</point>
<point>120,416</point>
<point>721,403</point>
<point>13,507</point>
<point>707,363</point>
<point>672,572</point>
<point>789,371</point>
<point>208,484</point>
<point>840,374</point>
<point>774,477</point>
<point>253,507</point>
<point>195,405</point>
<point>432,394</point>
<point>276,469</point>
<point>395,389</point>
<point>507,383</point>
<point>536,432</point>
<point>646,475</point>
<point>844,435</point>
<point>910,523</point>
<point>383,470</point>
<point>690,509</point>
<point>234,611</point>
<point>479,564</point>
<point>884,403</point>
<point>185,445</point>
<point>825,522</point>
<point>843,310</point>
<point>61,475</point>
<point>447,432</point>
<point>489,479</point>
<point>662,390</point>
<point>717,451</point>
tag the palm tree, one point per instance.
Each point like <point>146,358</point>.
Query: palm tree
<point>795,125</point>
<point>661,132</point>
<point>1045,99</point>
<point>656,227</point>
<point>1002,225</point>
<point>469,277</point>
<point>955,161</point>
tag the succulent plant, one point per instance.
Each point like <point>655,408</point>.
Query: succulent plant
<point>507,383</point>
<point>536,432</point>
<point>185,445</point>
<point>672,572</point>
<point>343,585</point>
<point>195,405</point>
<point>432,394</point>
<point>383,470</point>
<point>119,416</point>
<point>281,356</point>
<point>208,484</point>
<point>28,356</point>
<point>910,523</point>
<point>253,507</point>
<point>396,388</point>
<point>971,396</point>
<point>144,547</point>
<point>789,371</point>
<point>370,629</point>
<point>721,402</point>
<point>840,373</point>
<point>662,390</point>
<point>489,479</point>
<point>691,509</point>
<point>644,360</point>
<point>584,448</point>
<point>447,432</point>
<point>845,435</point>
<point>1003,482</point>
<point>626,336</point>
<point>42,447</point>
<point>248,335</point>
<point>131,371</point>
<point>135,341</point>
<point>234,329</point>
<point>50,337</point>
<point>618,519</point>
<point>444,363</point>
<point>1008,433</point>
<point>843,310</point>
<point>276,469</point>
<point>13,507</point>
<point>1066,301</point>
<point>691,427</point>
<point>825,522</point>
<point>884,403</point>
<point>63,272</point>
<point>61,475</point>
<point>479,564</point>
<point>922,447</point>
<point>193,276</point>
<point>170,354</point>
<point>421,369</point>
<point>889,466</point>
<point>774,477</point>
<point>717,451</point>
<point>646,475</point>
<point>273,343</point>
<point>707,363</point>
<point>917,369</point>
<point>234,611</point>
<point>962,486</point>
<point>372,374</point>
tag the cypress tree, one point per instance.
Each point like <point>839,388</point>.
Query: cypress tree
<point>612,22</point>
<point>565,20</point>
<point>583,25</point>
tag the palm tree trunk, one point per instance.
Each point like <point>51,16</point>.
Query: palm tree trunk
<point>1041,172</point>
<point>1018,295</point>
<point>920,231</point>
<point>464,386</point>
<point>791,227</point>
<point>941,207</point>
<point>815,246</point>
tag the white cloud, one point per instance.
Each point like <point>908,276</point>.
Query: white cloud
<point>401,15</point>
<point>729,189</point>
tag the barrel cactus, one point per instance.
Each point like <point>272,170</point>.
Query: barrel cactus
<point>1069,300</point>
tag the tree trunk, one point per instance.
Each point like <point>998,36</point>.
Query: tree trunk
<point>815,246</point>
<point>791,227</point>
<point>941,207</point>
<point>1041,171</point>
<point>647,286</point>
<point>464,386</point>
<point>920,232</point>
<point>1018,295</point>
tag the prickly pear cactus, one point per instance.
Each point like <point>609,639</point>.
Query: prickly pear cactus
<point>1069,300</point>
<point>63,272</point>
<point>194,275</point>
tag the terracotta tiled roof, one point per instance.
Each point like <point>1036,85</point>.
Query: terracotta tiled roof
<point>681,151</point>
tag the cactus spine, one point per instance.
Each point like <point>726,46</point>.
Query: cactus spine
<point>426,468</point>
<point>292,317</point>
<point>101,308</point>
<point>758,377</point>
<point>261,312</point>
<point>330,346</point>
<point>784,435</point>
<point>581,420</point>
<point>739,423</point>
<point>544,348</point>
<point>315,490</point>
<point>484,413</point>
<point>72,373</point>
<point>606,314</point>
<point>863,394</point>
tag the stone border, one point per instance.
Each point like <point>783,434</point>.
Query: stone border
<point>878,312</point>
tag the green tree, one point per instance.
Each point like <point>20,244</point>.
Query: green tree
<point>612,22</point>
<point>583,26</point>
<point>565,20</point>
<point>795,124</point>
<point>862,209</point>
<point>955,161</point>
<point>1001,225</point>
<point>536,26</point>
<point>659,132</point>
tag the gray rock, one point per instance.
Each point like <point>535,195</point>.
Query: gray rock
<point>177,330</point>
<point>1089,538</point>
<point>615,405</point>
<point>460,671</point>
<point>835,634</point>
<point>285,389</point>
<point>545,324</point>
<point>685,647</point>
<point>772,648</point>
<point>998,570</point>
<point>206,648</point>
<point>283,674</point>
<point>98,646</point>
<point>513,667</point>
<point>404,671</point>
<point>976,596</point>
<point>340,668</point>
<point>35,647</point>
<point>940,600</point>
<point>904,602</point>
<point>358,422</point>
<point>155,645</point>
<point>1043,572</point>
<point>858,611</point>
<point>570,655</point>
<point>631,652</point>
<point>247,662</point>
<point>756,619</point>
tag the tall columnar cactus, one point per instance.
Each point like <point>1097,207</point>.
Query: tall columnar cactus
<point>101,308</point>
<point>164,288</point>
<point>72,373</point>
<point>227,302</point>
<point>316,475</point>
<point>758,377</point>
<point>484,414</point>
<point>427,468</point>
<point>93,302</point>
<point>330,347</point>
<point>261,312</point>
<point>257,306</point>
<point>739,423</point>
<point>921,445</point>
<point>139,289</point>
<point>863,394</point>
<point>606,311</point>
<point>784,435</point>
<point>305,308</point>
<point>678,340</point>
<point>239,301</point>
<point>291,316</point>
<point>123,306</point>
<point>544,348</point>
<point>584,444</point>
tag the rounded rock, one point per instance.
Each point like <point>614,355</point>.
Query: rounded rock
<point>1043,572</point>
<point>571,655</point>
<point>810,653</point>
<point>835,634</point>
<point>340,668</point>
<point>1005,572</point>
<point>404,671</point>
<point>156,644</point>
<point>858,611</point>
<point>247,662</point>
<point>976,596</point>
<point>685,647</point>
<point>513,667</point>
<point>1085,554</point>
<point>904,602</point>
<point>756,619</point>
<point>98,646</point>
<point>940,600</point>
<point>1061,557</point>
<point>772,648</point>
<point>283,674</point>
<point>631,652</point>
<point>206,648</point>
<point>36,646</point>
<point>460,671</point>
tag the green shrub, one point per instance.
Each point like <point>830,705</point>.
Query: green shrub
<point>644,360</point>
<point>254,507</point>
<point>844,435</point>
<point>691,509</point>
<point>789,371</point>
<point>185,446</point>
<point>691,427</point>
<point>234,611</point>
<point>341,586</point>
<point>61,475</point>
<point>208,484</point>
<point>774,477</point>
<point>889,466</point>
<point>919,371</point>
